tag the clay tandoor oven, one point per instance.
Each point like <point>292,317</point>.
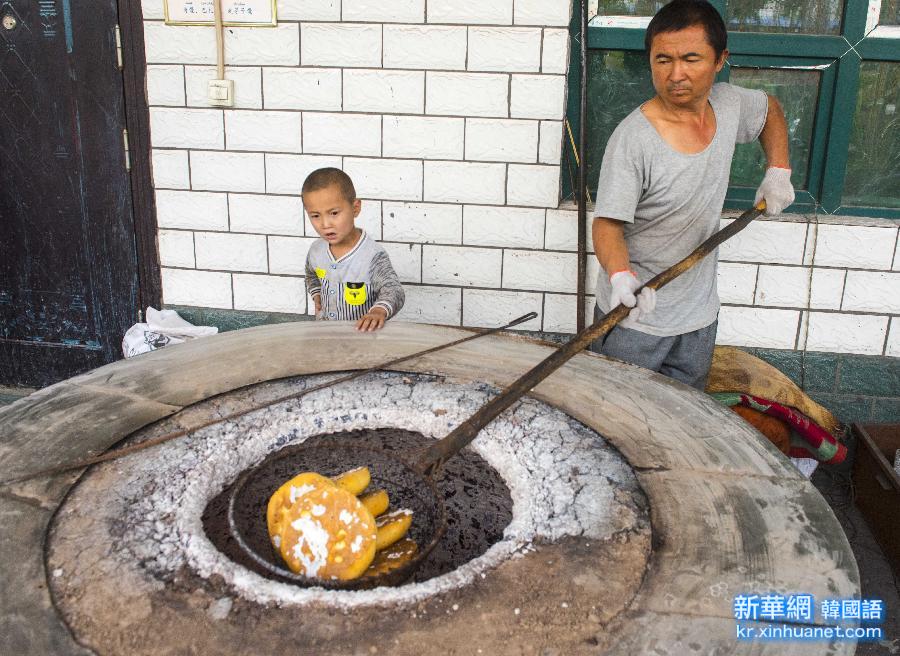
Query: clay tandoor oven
<point>610,512</point>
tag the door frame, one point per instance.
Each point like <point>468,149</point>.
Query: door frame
<point>137,121</point>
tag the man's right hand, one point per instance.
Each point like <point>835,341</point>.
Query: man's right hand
<point>624,284</point>
<point>317,299</point>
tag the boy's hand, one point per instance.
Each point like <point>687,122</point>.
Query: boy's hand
<point>317,299</point>
<point>373,320</point>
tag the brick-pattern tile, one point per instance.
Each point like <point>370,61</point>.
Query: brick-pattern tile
<point>424,47</point>
<point>542,12</point>
<point>309,10</point>
<point>440,305</point>
<point>561,313</point>
<point>457,265</point>
<point>263,131</point>
<point>893,340</point>
<point>337,44</point>
<point>170,169</point>
<point>501,140</point>
<point>425,137</point>
<point>275,46</point>
<point>533,185</point>
<point>176,248</point>
<point>215,171</point>
<point>551,142</point>
<point>736,282</point>
<point>853,246</point>
<point>271,215</point>
<point>467,94</point>
<point>269,293</point>
<point>165,85</point>
<point>287,255</point>
<point>471,12</point>
<point>378,11</point>
<point>845,333</point>
<point>516,227</point>
<point>555,51</point>
<point>562,231</point>
<point>768,242</point>
<point>341,134</point>
<point>398,92</point>
<point>504,49</point>
<point>490,308</point>
<point>390,179</point>
<point>406,260</point>
<point>186,128</point>
<point>537,96</point>
<point>229,252</point>
<point>179,44</point>
<point>464,182</point>
<point>198,288</point>
<point>423,223</point>
<point>872,291</point>
<point>754,326</point>
<point>535,270</point>
<point>191,210</point>
<point>302,88</point>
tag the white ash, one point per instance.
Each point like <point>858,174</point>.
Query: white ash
<point>563,478</point>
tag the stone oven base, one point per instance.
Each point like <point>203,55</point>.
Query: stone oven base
<point>729,514</point>
<point>572,555</point>
<point>524,606</point>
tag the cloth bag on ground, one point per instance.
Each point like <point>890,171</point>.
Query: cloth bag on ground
<point>163,327</point>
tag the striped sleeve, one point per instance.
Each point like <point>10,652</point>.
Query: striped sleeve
<point>313,286</point>
<point>389,292</point>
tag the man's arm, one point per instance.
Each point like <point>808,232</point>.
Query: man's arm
<point>609,245</point>
<point>776,188</point>
<point>774,136</point>
<point>612,252</point>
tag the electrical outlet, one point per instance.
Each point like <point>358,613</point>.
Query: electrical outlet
<point>220,93</point>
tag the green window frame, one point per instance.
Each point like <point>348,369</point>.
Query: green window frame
<point>837,57</point>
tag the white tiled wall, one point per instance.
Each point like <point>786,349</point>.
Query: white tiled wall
<point>449,117</point>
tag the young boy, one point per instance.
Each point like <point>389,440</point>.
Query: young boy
<point>348,274</point>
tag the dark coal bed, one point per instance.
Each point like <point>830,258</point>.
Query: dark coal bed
<point>477,501</point>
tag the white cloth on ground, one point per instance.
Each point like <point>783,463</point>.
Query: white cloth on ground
<point>163,327</point>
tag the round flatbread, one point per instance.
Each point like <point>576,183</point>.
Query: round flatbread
<point>285,496</point>
<point>328,534</point>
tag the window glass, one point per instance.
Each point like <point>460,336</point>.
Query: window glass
<point>890,12</point>
<point>873,161</point>
<point>618,82</point>
<point>630,7</point>
<point>804,16</point>
<point>798,92</point>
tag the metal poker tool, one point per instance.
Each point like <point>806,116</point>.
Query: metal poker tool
<point>415,478</point>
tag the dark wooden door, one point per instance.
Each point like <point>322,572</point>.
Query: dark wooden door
<point>68,265</point>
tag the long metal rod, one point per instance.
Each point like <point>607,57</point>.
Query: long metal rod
<point>582,174</point>
<point>118,453</point>
<point>435,455</point>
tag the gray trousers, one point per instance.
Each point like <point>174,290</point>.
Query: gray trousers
<point>686,358</point>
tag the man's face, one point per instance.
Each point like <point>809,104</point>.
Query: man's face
<point>332,215</point>
<point>684,65</point>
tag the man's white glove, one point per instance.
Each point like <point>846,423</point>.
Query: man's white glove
<point>624,284</point>
<point>776,189</point>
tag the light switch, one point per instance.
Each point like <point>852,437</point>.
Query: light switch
<point>220,93</point>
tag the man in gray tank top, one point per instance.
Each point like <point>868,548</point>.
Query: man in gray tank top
<point>662,186</point>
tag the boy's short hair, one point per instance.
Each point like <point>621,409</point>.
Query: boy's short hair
<point>682,14</point>
<point>326,177</point>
